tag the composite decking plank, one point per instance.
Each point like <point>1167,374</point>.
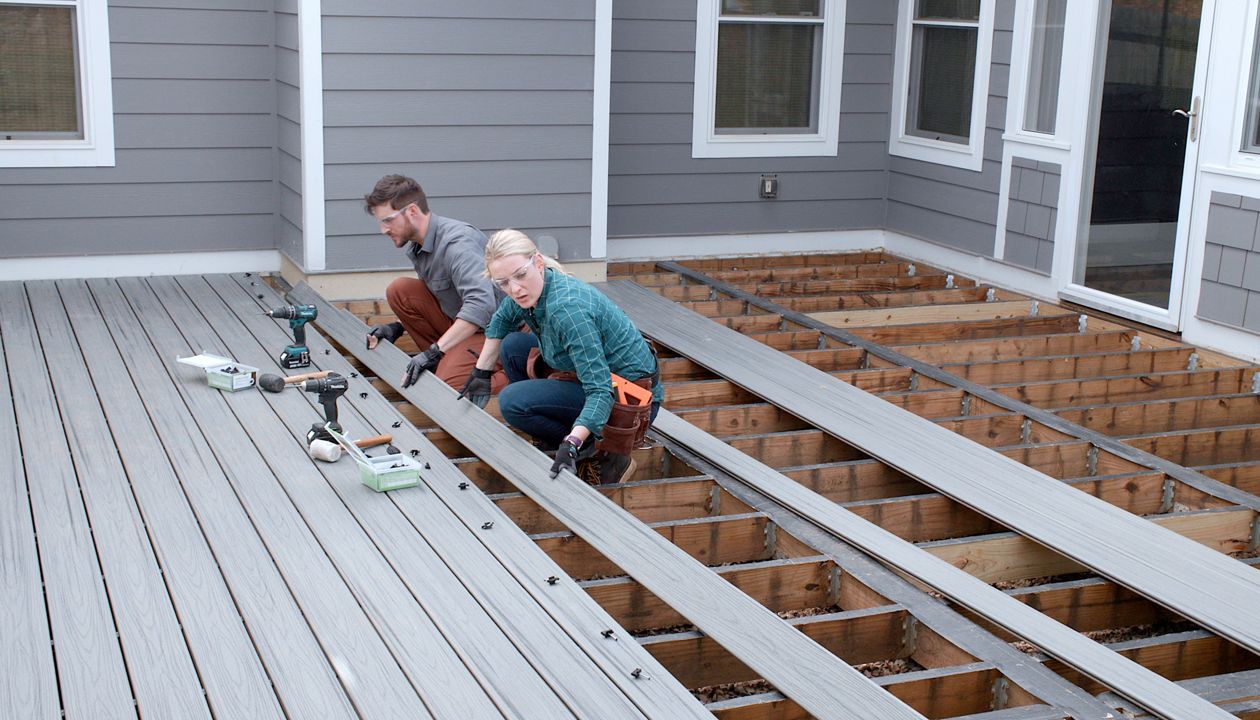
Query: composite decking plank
<point>28,688</point>
<point>444,640</point>
<point>370,673</point>
<point>1093,660</point>
<point>304,679</point>
<point>803,670</point>
<point>1192,580</point>
<point>450,518</point>
<point>160,667</point>
<point>235,681</point>
<point>91,672</point>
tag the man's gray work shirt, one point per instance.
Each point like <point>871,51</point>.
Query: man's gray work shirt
<point>452,263</point>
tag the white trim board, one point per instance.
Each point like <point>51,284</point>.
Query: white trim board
<point>110,266</point>
<point>600,110</point>
<point>311,109</point>
<point>682,246</point>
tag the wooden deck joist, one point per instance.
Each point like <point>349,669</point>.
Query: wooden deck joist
<point>872,346</point>
<point>802,669</point>
<point>819,398</point>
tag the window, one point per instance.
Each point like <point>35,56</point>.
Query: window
<point>1044,61</point>
<point>767,77</point>
<point>941,80</point>
<point>55,104</point>
<point>1251,136</point>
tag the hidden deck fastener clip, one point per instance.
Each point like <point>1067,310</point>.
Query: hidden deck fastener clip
<point>552,579</point>
<point>487,525</point>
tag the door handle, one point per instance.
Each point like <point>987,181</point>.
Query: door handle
<point>1192,116</point>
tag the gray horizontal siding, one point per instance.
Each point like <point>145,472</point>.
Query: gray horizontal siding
<point>657,188</point>
<point>487,103</point>
<point>288,133</point>
<point>949,205</point>
<point>194,142</point>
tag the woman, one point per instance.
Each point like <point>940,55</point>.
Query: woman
<point>560,388</point>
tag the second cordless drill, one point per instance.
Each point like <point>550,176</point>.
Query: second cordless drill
<point>296,355</point>
<point>328,389</point>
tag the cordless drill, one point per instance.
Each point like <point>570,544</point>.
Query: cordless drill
<point>328,390</point>
<point>296,355</point>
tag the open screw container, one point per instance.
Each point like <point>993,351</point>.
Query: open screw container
<point>384,473</point>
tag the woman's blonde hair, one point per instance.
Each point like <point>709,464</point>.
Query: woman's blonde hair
<point>508,242</point>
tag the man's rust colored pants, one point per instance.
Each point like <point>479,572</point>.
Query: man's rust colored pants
<point>419,312</point>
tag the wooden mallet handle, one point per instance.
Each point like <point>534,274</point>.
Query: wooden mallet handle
<point>370,442</point>
<point>292,379</point>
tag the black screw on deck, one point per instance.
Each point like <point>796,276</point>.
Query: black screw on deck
<point>397,424</point>
<point>487,525</point>
<point>463,486</point>
<point>635,673</point>
<point>415,453</point>
<point>553,580</point>
<point>606,633</point>
<point>363,396</point>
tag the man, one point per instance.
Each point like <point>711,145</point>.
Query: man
<point>447,306</point>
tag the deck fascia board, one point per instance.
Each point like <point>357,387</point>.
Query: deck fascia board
<point>813,677</point>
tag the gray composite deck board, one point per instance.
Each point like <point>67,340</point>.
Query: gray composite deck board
<point>370,674</point>
<point>1199,583</point>
<point>1109,668</point>
<point>304,680</point>
<point>1069,521</point>
<point>496,566</point>
<point>235,681</point>
<point>1042,415</point>
<point>940,617</point>
<point>160,667</point>
<point>816,679</point>
<point>445,640</point>
<point>28,687</point>
<point>91,672</point>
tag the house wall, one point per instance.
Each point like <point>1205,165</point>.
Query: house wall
<point>1032,213</point>
<point>194,129</point>
<point>487,103</point>
<point>1231,262</point>
<point>288,129</point>
<point>953,206</point>
<point>657,189</point>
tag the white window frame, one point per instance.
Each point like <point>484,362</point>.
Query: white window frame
<point>96,148</point>
<point>707,143</point>
<point>969,156</point>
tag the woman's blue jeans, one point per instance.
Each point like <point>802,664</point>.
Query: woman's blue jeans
<point>543,409</point>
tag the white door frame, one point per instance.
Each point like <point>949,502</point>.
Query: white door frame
<point>1170,318</point>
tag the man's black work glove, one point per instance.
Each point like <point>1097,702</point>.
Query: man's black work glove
<point>390,332</point>
<point>421,362</point>
<point>566,457</point>
<point>477,389</point>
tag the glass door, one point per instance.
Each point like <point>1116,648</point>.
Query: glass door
<point>1130,252</point>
